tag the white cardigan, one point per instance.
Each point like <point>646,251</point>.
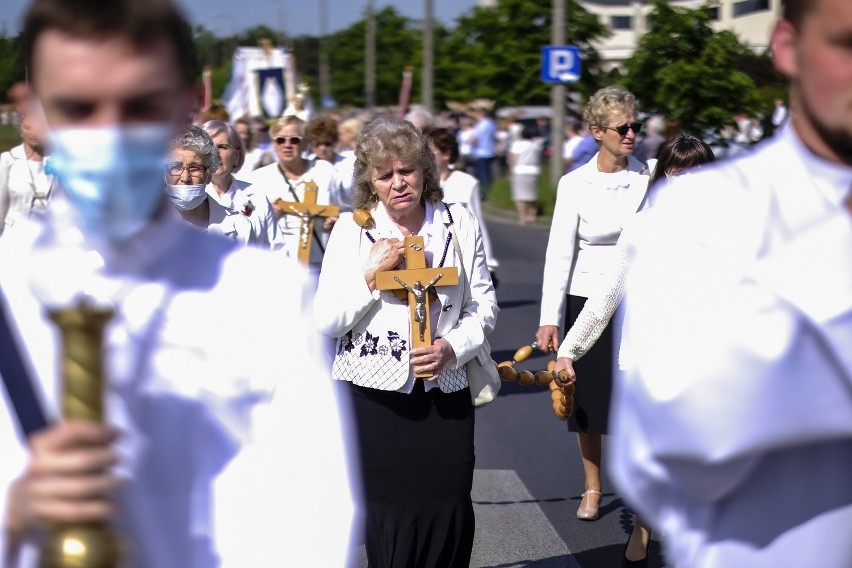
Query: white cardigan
<point>587,221</point>
<point>344,304</point>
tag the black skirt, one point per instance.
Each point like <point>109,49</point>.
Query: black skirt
<point>594,378</point>
<point>417,459</point>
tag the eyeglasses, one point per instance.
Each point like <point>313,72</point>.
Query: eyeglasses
<point>636,127</point>
<point>176,169</point>
<point>294,140</point>
<point>327,143</point>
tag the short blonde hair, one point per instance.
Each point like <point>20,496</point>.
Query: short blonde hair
<point>284,122</point>
<point>606,100</point>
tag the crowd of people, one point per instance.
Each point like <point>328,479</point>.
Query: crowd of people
<point>250,265</point>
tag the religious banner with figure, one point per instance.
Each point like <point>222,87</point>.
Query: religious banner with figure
<point>260,82</point>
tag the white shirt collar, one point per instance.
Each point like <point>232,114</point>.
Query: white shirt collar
<point>833,180</point>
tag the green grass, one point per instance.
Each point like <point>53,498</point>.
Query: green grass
<point>8,137</point>
<point>501,192</point>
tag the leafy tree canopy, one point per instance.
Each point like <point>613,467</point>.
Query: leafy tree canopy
<point>685,71</point>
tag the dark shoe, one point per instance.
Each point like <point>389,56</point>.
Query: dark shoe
<point>642,563</point>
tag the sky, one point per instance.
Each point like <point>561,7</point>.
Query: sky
<point>297,17</point>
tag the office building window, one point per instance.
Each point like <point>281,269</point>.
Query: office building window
<point>712,12</point>
<point>621,22</point>
<point>750,6</point>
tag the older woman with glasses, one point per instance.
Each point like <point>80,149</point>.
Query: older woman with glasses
<point>193,160</point>
<point>236,196</point>
<point>593,203</point>
<point>285,181</point>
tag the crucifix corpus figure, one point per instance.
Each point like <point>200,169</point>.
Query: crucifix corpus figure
<point>419,291</point>
<point>307,210</point>
<point>411,280</point>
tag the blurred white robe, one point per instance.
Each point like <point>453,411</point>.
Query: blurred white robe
<point>733,427</point>
<point>233,447</point>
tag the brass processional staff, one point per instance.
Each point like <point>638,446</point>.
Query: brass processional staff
<point>82,545</point>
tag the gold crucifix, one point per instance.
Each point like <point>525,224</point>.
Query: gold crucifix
<point>416,279</point>
<point>307,210</point>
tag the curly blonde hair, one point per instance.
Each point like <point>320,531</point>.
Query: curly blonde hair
<point>385,138</point>
<point>606,100</point>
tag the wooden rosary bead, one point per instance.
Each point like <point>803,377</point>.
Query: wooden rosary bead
<point>543,378</point>
<point>526,378</point>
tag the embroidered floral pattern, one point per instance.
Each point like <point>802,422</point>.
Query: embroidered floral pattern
<point>383,350</point>
<point>358,339</point>
<point>370,345</point>
<point>397,345</point>
<point>345,344</point>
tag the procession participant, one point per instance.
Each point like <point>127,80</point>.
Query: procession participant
<point>322,134</point>
<point>197,433</point>
<point>415,435</point>
<point>483,139</point>
<point>284,183</point>
<point>255,156</point>
<point>238,198</point>
<point>25,186</point>
<point>460,187</point>
<point>676,158</point>
<point>592,205</point>
<point>733,425</point>
<point>347,135</point>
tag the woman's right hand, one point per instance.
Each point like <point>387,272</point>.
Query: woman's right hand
<point>564,364</point>
<point>68,478</point>
<point>547,338</point>
<point>384,255</point>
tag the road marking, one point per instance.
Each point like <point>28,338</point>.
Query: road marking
<point>511,528</point>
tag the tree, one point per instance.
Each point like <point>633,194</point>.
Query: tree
<point>495,53</point>
<point>398,44</point>
<point>686,72</point>
<point>11,64</point>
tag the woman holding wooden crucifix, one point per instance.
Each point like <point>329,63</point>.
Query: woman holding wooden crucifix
<point>411,403</point>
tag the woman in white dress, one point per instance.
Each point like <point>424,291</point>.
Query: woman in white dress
<point>524,160</point>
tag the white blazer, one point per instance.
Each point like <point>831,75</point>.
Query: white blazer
<point>344,303</point>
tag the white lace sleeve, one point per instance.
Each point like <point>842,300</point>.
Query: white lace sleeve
<point>598,309</point>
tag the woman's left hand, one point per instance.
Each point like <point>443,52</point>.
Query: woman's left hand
<point>433,358</point>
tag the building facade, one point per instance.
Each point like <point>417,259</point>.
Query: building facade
<point>750,20</point>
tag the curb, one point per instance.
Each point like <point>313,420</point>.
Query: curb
<point>506,215</point>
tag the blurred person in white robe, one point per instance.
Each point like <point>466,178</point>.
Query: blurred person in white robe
<point>733,424</point>
<point>202,461</point>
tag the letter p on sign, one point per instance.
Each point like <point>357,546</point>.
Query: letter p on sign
<point>560,64</point>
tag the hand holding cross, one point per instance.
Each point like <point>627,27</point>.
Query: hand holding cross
<point>411,280</point>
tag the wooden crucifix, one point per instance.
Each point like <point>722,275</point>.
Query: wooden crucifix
<point>307,210</point>
<point>416,279</point>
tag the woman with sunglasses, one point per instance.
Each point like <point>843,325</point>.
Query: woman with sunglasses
<point>285,182</point>
<point>676,158</point>
<point>592,204</point>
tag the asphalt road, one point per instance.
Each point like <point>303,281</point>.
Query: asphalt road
<point>528,475</point>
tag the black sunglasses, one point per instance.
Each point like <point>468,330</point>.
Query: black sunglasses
<point>295,140</point>
<point>636,127</point>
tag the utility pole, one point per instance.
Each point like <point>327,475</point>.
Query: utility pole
<point>428,55</point>
<point>557,99</point>
<point>370,58</point>
<point>324,75</point>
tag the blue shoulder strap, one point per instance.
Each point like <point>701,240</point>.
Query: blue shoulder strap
<point>17,381</point>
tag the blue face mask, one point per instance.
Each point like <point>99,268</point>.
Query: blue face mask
<point>112,175</point>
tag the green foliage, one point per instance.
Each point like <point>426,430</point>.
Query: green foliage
<point>9,137</point>
<point>495,53</point>
<point>685,71</point>
<point>11,64</point>
<point>398,44</point>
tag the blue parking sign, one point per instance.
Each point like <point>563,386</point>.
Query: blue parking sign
<point>560,63</point>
